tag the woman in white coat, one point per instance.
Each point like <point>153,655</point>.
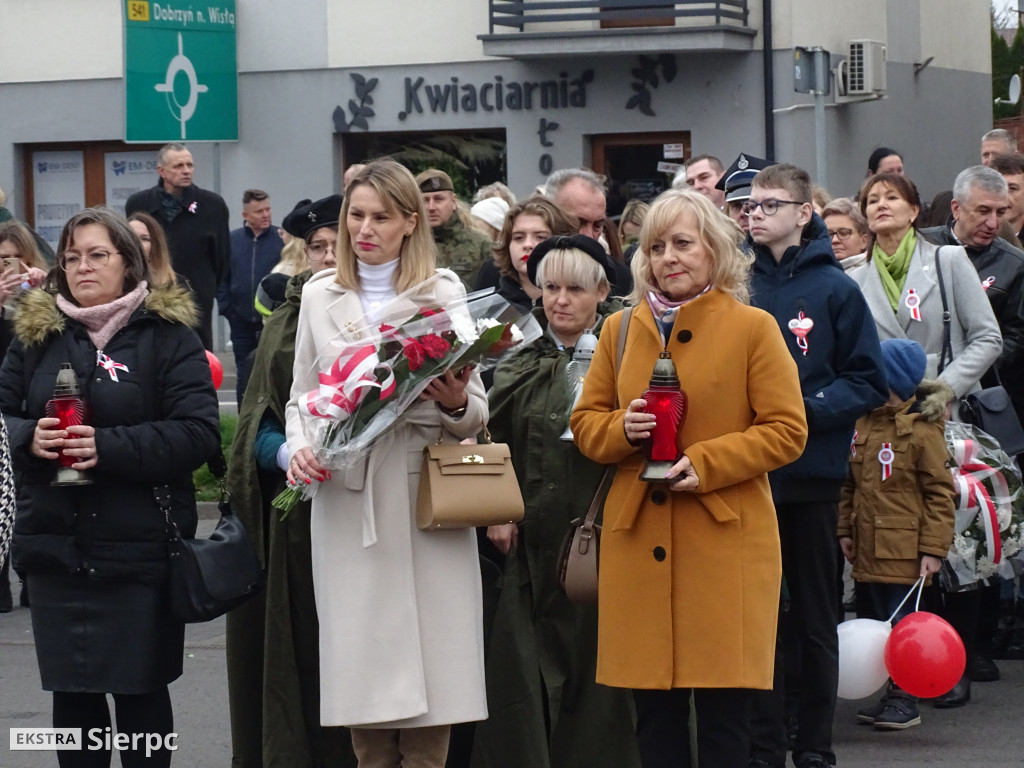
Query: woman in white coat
<point>901,284</point>
<point>401,647</point>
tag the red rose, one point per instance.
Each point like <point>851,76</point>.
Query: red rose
<point>385,328</point>
<point>428,312</point>
<point>503,343</point>
<point>415,354</point>
<point>434,345</point>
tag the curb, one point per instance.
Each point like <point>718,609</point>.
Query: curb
<point>208,510</point>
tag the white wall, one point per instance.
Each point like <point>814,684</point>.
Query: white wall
<point>383,32</point>
<point>47,40</point>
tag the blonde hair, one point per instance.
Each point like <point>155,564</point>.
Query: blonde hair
<point>633,213</point>
<point>720,236</point>
<point>400,195</point>
<point>24,243</point>
<point>161,273</point>
<point>572,266</point>
<point>293,257</point>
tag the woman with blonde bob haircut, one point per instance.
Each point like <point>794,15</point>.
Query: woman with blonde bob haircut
<point>665,630</point>
<point>400,631</point>
<point>545,709</point>
<point>730,266</point>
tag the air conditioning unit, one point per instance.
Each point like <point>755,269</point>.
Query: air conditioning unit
<point>862,73</point>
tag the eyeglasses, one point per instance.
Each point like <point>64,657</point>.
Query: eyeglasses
<point>769,206</point>
<point>70,262</point>
<point>843,234</point>
<point>319,250</point>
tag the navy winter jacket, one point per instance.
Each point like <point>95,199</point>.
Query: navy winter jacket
<point>842,375</point>
<point>252,258</point>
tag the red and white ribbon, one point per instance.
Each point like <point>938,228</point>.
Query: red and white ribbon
<point>344,385</point>
<point>913,302</point>
<point>988,282</point>
<point>800,326</point>
<point>885,458</point>
<point>973,495</point>
<point>110,365</point>
<point>853,444</point>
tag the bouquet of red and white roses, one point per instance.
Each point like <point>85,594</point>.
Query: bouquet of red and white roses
<point>365,387</point>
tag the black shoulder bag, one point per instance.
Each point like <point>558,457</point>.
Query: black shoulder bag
<point>209,577</point>
<point>989,409</point>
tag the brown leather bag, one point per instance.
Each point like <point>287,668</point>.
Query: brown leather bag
<point>577,566</point>
<point>467,486</point>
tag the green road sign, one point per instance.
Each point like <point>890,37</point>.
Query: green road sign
<point>181,71</point>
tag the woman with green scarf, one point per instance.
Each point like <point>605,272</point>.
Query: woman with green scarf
<point>901,282</point>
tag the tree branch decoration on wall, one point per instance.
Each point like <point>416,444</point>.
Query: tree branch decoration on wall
<point>360,110</point>
<point>647,75</point>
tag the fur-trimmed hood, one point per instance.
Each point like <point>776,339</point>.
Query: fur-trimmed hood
<point>933,396</point>
<point>38,316</point>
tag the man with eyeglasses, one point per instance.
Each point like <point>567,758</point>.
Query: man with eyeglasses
<point>196,223</point>
<point>831,335</point>
<point>255,250</point>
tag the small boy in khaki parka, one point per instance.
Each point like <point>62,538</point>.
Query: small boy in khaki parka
<point>897,510</point>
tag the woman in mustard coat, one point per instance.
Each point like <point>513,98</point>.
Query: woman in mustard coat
<point>690,567</point>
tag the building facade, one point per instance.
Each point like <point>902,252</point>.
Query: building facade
<point>628,87</point>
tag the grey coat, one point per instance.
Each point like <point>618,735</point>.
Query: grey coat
<point>974,331</point>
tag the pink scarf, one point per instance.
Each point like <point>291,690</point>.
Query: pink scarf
<point>103,321</point>
<point>664,309</point>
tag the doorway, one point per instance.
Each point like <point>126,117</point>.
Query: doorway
<point>638,165</point>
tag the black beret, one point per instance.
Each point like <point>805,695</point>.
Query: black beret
<point>308,215</point>
<point>588,245</point>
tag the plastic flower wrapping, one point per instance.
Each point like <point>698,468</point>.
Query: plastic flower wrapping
<point>372,372</point>
<point>989,512</point>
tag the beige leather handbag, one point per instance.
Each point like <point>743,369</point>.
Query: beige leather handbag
<point>468,486</point>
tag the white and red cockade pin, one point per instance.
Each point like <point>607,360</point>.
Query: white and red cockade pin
<point>853,444</point>
<point>801,325</point>
<point>885,457</point>
<point>111,366</point>
<point>988,282</point>
<point>193,207</point>
<point>913,302</point>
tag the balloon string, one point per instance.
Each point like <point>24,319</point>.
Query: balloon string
<point>919,586</point>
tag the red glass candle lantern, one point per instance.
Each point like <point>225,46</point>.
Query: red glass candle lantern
<point>68,406</point>
<point>667,401</point>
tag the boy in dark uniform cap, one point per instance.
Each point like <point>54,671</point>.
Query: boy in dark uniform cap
<point>735,182</point>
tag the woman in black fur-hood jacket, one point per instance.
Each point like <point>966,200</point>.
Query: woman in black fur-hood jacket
<point>96,554</point>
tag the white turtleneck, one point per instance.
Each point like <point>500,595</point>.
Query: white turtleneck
<point>376,287</point>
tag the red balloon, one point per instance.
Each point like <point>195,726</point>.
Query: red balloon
<point>924,655</point>
<point>216,369</point>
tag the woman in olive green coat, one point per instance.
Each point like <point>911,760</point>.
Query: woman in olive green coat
<point>272,642</point>
<point>545,709</point>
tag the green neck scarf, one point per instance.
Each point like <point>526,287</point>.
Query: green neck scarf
<point>893,269</point>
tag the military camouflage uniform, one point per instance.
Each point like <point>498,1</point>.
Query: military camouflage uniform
<point>460,249</point>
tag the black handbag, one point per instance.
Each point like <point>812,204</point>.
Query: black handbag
<point>209,577</point>
<point>989,409</point>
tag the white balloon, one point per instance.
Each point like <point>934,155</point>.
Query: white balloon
<point>862,657</point>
